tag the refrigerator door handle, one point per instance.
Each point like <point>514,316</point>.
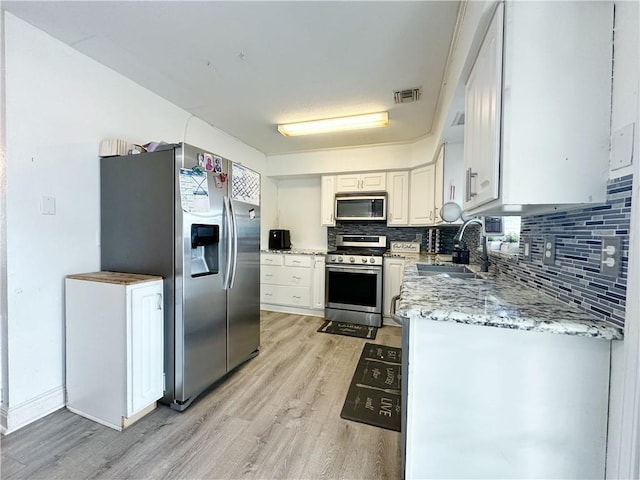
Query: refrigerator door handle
<point>234,238</point>
<point>227,213</point>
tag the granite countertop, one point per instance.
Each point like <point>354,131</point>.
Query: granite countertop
<point>297,251</point>
<point>495,302</point>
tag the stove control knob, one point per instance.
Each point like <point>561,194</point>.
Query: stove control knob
<point>332,259</point>
<point>372,260</point>
<point>364,260</point>
<point>340,259</point>
<point>351,259</point>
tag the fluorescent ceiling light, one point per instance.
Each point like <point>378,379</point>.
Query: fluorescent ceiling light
<point>355,122</point>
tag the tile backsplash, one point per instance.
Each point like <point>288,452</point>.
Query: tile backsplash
<point>408,234</point>
<point>575,276</point>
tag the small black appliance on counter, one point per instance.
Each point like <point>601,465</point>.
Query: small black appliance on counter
<point>279,240</point>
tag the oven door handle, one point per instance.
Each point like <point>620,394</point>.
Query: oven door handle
<point>355,268</point>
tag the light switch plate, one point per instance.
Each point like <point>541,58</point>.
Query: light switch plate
<point>48,205</point>
<point>549,250</point>
<point>611,256</point>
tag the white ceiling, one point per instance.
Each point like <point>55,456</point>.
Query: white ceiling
<point>244,67</point>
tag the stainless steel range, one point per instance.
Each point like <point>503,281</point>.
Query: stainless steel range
<point>354,280</point>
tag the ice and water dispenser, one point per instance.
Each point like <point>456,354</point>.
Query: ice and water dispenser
<point>205,240</point>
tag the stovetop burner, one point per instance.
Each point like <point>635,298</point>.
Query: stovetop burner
<point>358,249</point>
<point>378,252</point>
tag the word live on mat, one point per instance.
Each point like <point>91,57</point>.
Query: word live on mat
<point>374,394</point>
<point>349,329</point>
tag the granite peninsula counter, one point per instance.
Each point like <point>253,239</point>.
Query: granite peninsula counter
<point>494,302</point>
<point>481,401</point>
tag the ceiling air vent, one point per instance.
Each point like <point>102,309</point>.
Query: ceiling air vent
<point>407,96</point>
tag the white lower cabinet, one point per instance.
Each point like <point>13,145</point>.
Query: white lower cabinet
<point>392,281</point>
<point>114,346</point>
<point>489,402</point>
<point>290,280</point>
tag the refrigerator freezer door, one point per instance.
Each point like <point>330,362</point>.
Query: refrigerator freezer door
<point>201,330</point>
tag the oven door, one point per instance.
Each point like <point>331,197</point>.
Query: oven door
<point>356,287</point>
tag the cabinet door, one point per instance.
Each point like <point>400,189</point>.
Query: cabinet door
<point>318,282</point>
<point>327,201</point>
<point>393,271</point>
<point>482,119</point>
<point>373,182</point>
<point>438,187</point>
<point>348,183</point>
<point>145,325</point>
<point>398,198</point>
<point>421,196</point>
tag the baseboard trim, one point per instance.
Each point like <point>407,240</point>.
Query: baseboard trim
<point>14,418</point>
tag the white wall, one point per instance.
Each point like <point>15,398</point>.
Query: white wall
<point>357,159</point>
<point>59,105</point>
<point>299,212</point>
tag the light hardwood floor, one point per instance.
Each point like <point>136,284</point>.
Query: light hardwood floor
<point>277,416</point>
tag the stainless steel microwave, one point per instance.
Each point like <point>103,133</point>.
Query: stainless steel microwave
<point>361,207</point>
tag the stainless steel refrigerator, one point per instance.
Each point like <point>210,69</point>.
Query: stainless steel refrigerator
<point>193,218</point>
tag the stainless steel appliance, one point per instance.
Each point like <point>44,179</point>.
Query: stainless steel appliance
<point>353,277</point>
<point>359,207</point>
<point>193,218</point>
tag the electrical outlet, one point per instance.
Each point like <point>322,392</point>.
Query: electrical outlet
<point>549,250</point>
<point>526,249</point>
<point>610,256</point>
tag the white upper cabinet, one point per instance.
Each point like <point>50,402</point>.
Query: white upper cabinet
<point>421,199</point>
<point>361,182</point>
<point>537,109</point>
<point>438,187</point>
<point>328,200</point>
<point>398,198</point>
<point>449,178</point>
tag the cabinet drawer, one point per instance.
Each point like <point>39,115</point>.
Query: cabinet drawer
<point>285,295</point>
<point>295,276</point>
<point>269,293</point>
<point>270,273</point>
<point>298,296</point>
<point>297,260</point>
<point>270,259</point>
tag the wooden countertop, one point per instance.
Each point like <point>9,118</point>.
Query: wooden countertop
<point>118,278</point>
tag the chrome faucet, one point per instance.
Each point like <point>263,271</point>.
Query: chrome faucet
<point>484,266</point>
<point>463,227</point>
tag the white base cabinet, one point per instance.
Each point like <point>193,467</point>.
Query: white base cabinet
<point>294,281</point>
<point>487,402</point>
<point>114,346</point>
<point>392,281</point>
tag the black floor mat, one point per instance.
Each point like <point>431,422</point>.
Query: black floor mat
<point>374,394</point>
<point>349,329</point>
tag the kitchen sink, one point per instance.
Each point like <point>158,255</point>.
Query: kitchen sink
<point>454,271</point>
